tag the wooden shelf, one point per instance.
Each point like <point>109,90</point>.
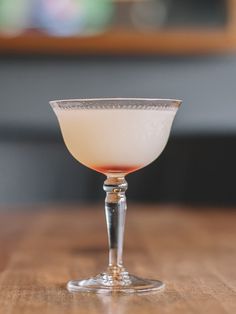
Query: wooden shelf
<point>122,42</point>
<point>184,41</point>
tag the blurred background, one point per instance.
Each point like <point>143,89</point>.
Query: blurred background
<point>59,49</point>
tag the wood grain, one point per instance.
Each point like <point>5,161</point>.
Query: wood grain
<point>192,250</point>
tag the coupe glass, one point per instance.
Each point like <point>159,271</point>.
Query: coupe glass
<point>115,136</point>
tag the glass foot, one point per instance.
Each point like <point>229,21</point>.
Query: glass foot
<point>107,284</point>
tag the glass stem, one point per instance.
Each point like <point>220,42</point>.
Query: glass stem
<point>115,210</point>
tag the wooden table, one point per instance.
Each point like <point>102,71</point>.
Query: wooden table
<point>192,250</point>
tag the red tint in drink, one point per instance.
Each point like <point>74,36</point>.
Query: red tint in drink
<point>115,169</point>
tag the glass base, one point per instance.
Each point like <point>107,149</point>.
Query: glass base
<point>106,283</point>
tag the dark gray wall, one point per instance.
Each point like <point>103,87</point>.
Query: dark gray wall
<point>34,164</point>
<point>207,86</point>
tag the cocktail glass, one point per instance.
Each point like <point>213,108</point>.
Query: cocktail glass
<point>115,136</point>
